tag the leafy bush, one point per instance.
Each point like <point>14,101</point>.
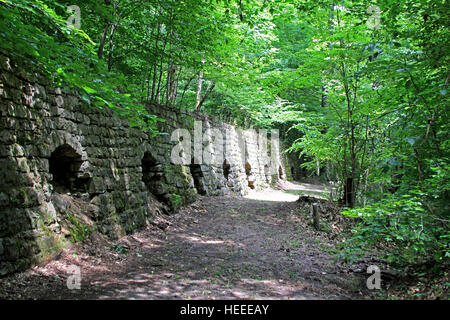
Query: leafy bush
<point>407,233</point>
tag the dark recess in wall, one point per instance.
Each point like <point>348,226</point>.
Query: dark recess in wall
<point>248,173</point>
<point>280,172</point>
<point>197,174</point>
<point>267,173</point>
<point>64,165</point>
<point>226,169</point>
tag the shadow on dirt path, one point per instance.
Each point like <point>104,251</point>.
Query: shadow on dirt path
<point>258,247</point>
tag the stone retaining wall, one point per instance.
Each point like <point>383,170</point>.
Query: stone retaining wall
<point>58,155</point>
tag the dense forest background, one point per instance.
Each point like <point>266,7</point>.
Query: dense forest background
<point>360,88</point>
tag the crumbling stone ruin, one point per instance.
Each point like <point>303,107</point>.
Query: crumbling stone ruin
<point>59,158</point>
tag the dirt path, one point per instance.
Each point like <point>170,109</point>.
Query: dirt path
<point>258,247</point>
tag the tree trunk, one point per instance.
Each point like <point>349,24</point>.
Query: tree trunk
<point>102,43</point>
<point>185,88</point>
<point>205,96</point>
<point>171,83</point>
<point>111,47</point>
<point>158,91</point>
<point>103,38</point>
<point>199,90</point>
<point>349,198</point>
<point>155,65</point>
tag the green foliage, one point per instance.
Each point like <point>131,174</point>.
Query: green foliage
<point>117,247</point>
<point>371,106</point>
<point>32,32</point>
<point>402,229</point>
<point>79,231</point>
<point>176,200</point>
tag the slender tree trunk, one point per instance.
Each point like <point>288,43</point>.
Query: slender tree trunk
<point>348,197</point>
<point>148,72</point>
<point>185,88</point>
<point>155,65</point>
<point>170,67</point>
<point>111,39</point>
<point>148,84</point>
<point>350,190</point>
<point>103,38</point>
<point>171,83</point>
<point>111,47</point>
<point>208,91</point>
<point>199,90</point>
<point>158,91</point>
<point>102,43</point>
<point>175,85</point>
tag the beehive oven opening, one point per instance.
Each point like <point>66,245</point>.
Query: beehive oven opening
<point>64,165</point>
<point>197,175</point>
<point>226,169</point>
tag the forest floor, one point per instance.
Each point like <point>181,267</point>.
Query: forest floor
<point>262,246</point>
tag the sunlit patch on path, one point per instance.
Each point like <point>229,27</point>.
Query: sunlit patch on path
<point>289,192</point>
